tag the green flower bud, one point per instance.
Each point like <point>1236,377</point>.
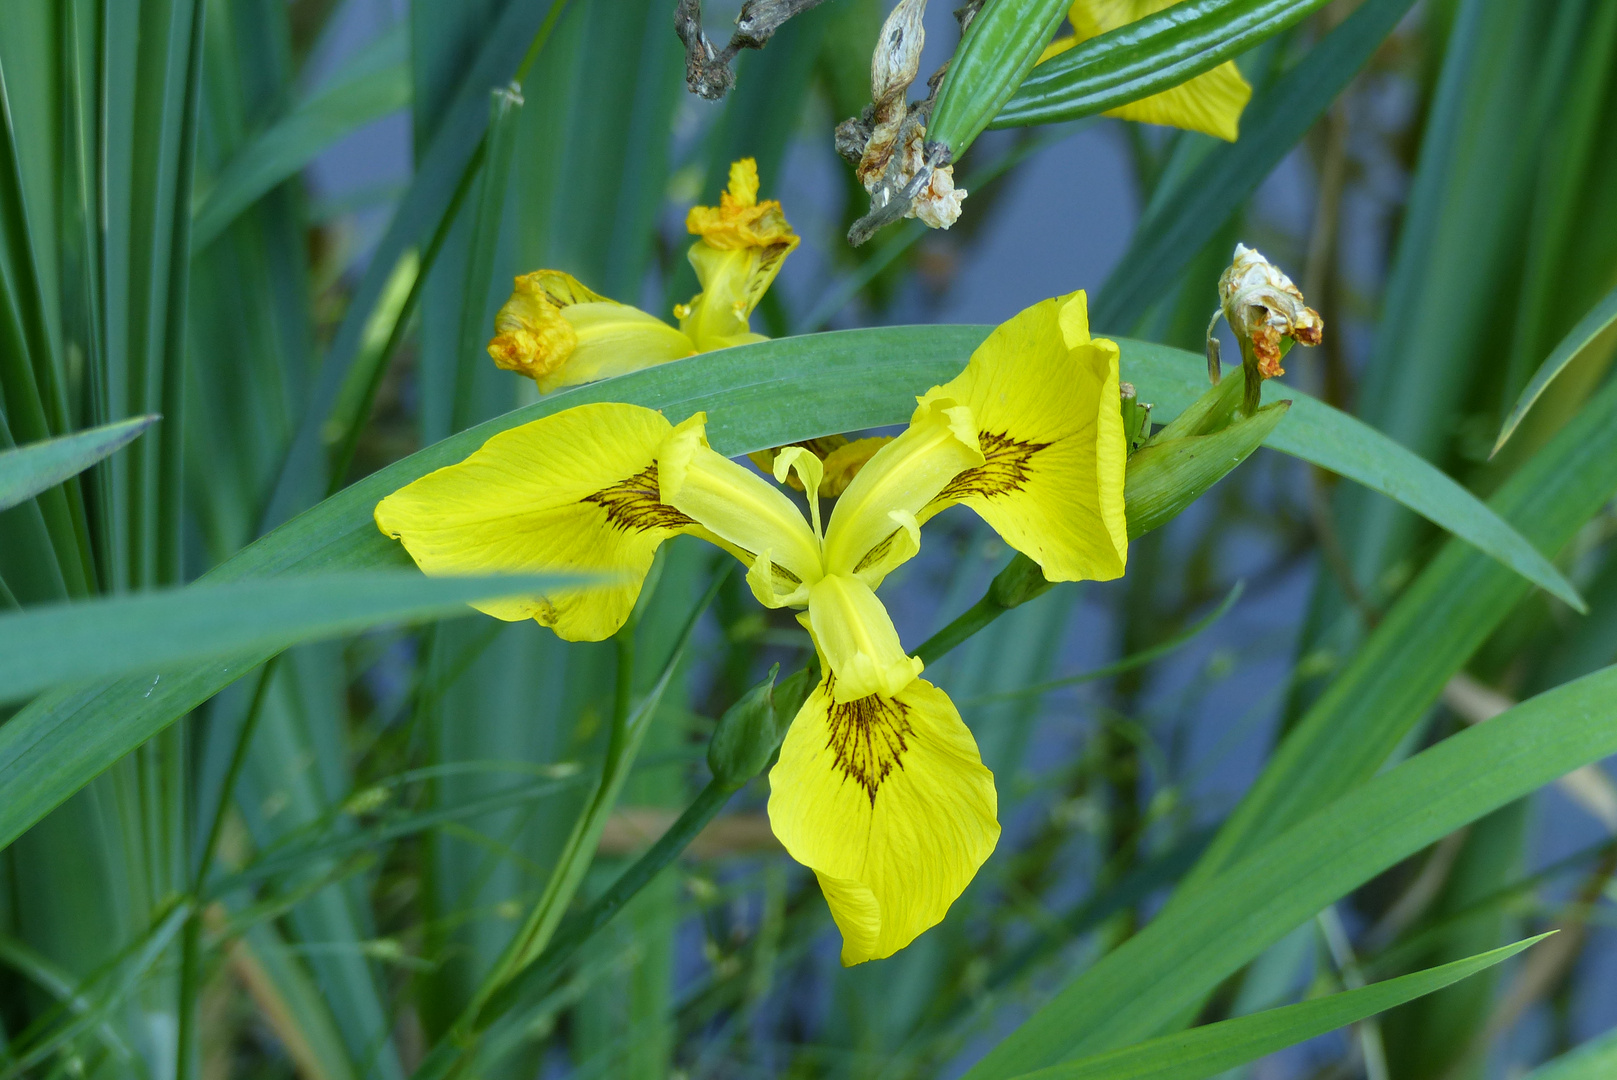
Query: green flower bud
<point>1176,468</point>
<point>1019,582</point>
<point>751,730</point>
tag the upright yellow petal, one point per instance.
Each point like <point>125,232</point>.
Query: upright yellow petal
<point>559,333</point>
<point>1049,420</point>
<point>741,220</point>
<point>873,527</point>
<point>748,514</point>
<point>733,280</point>
<point>887,800</point>
<point>858,638</point>
<point>1212,102</point>
<point>574,491</point>
<point>743,243</point>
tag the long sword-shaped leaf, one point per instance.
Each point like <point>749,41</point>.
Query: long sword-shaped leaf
<point>98,639</point>
<point>377,84</point>
<point>1207,1051</point>
<point>1334,440</point>
<point>1591,326</point>
<point>29,470</point>
<point>1147,56</point>
<point>1165,242</point>
<point>1142,986</point>
<point>756,396</point>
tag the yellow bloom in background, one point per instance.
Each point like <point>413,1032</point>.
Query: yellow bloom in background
<point>1211,102</point>
<point>558,332</point>
<point>879,787</point>
<point>743,244</point>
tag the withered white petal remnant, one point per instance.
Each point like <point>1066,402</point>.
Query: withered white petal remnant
<point>1263,306</point>
<point>888,143</point>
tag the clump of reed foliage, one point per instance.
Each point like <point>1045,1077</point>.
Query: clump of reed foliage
<point>273,803</point>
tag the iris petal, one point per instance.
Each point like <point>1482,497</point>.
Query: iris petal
<point>574,491</point>
<point>744,510</point>
<point>858,638</point>
<point>1045,400</point>
<point>888,801</point>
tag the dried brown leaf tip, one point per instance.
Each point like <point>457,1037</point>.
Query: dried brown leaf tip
<point>1263,307</point>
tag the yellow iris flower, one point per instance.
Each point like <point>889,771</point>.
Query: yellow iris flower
<point>879,787</point>
<point>559,333</point>
<point>1211,102</point>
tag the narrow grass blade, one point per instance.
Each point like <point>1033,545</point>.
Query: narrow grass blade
<point>1207,1051</point>
<point>60,643</point>
<point>1147,56</point>
<point>29,470</point>
<point>1165,242</point>
<point>1190,948</point>
<point>378,84</point>
<point>442,171</point>
<point>1591,326</point>
<point>1128,663</point>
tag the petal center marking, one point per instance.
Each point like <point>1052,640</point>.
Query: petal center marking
<point>635,504</point>
<point>868,737</point>
<point>1004,469</point>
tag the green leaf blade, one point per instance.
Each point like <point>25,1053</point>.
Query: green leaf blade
<point>1591,326</point>
<point>1147,56</point>
<point>1194,944</point>
<point>60,643</point>
<point>1208,1051</point>
<point>29,470</point>
<point>756,396</point>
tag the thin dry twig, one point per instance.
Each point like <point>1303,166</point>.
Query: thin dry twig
<point>707,70</point>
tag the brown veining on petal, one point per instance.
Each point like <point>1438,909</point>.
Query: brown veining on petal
<point>635,504</point>
<point>868,738</point>
<point>1004,468</point>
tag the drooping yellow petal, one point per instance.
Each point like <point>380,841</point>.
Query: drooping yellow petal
<point>574,491</point>
<point>743,243</point>
<point>1211,102</point>
<point>888,802</point>
<point>873,527</point>
<point>559,333</point>
<point>1044,396</point>
<point>858,639</point>
<point>744,511</point>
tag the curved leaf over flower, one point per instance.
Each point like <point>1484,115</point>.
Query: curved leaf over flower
<point>879,787</point>
<point>558,332</point>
